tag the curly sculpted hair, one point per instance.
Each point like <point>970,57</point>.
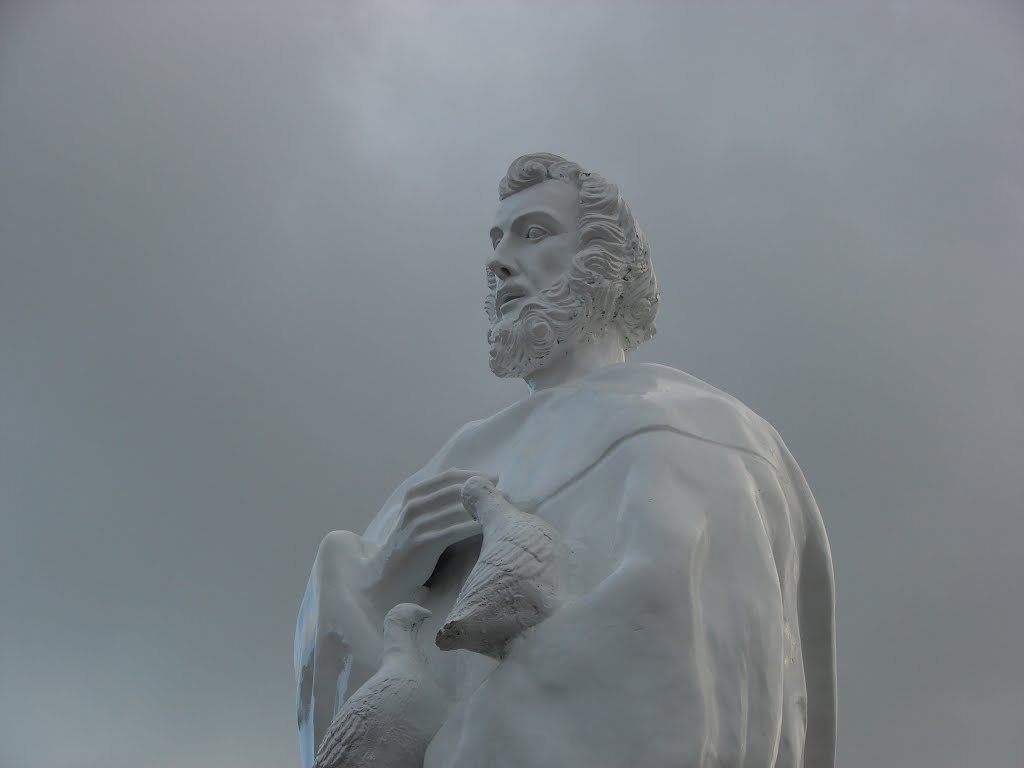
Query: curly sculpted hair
<point>612,269</point>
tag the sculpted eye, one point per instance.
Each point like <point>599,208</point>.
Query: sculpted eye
<point>534,232</point>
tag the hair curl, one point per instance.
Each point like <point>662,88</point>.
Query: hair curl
<point>612,268</point>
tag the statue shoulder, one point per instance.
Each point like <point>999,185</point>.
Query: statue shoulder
<point>643,396</point>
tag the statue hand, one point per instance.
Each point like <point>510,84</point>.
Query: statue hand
<point>432,518</point>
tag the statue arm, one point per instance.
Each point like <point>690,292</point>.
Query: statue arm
<point>355,582</point>
<point>337,635</point>
<point>697,547</point>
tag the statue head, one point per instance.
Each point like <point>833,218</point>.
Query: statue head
<point>570,265</point>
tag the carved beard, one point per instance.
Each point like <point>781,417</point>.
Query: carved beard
<point>546,329</point>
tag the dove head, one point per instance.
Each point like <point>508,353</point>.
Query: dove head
<point>478,494</point>
<point>402,621</point>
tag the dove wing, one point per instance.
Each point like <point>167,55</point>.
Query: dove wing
<point>346,733</point>
<point>522,550</point>
<point>360,720</point>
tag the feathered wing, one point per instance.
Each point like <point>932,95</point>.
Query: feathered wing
<point>347,733</point>
<point>363,720</point>
<point>523,549</point>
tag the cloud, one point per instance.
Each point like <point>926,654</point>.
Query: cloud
<point>241,253</point>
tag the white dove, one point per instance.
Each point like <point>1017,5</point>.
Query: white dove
<point>514,584</point>
<point>394,715</point>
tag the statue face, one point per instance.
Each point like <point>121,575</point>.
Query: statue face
<point>536,316</point>
<point>534,238</point>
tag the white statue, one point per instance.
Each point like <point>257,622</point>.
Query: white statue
<point>654,585</point>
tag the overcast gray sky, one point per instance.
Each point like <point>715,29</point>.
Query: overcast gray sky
<point>241,298</point>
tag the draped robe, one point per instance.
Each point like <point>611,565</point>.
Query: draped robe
<point>697,622</point>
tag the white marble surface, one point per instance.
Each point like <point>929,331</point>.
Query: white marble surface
<point>691,618</point>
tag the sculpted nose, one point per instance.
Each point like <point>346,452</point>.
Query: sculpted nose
<point>501,264</point>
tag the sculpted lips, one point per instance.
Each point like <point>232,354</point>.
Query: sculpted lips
<point>508,294</point>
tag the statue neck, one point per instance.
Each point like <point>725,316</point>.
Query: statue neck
<point>399,640</point>
<point>583,360</point>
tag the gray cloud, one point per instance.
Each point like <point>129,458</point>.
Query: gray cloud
<point>241,298</point>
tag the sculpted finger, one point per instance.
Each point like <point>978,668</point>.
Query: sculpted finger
<point>454,514</point>
<point>454,534</point>
<point>419,505</point>
<point>463,474</point>
<point>446,478</point>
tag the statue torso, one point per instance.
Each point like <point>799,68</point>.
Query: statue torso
<point>562,454</point>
